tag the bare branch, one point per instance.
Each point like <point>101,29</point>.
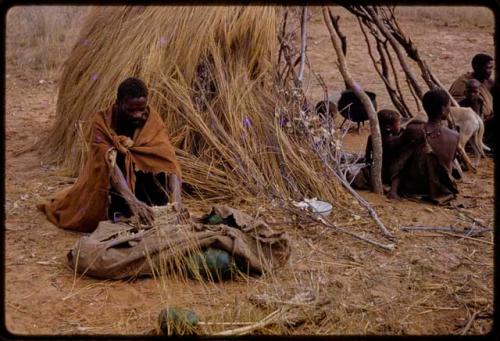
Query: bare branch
<point>376,170</point>
<point>303,29</point>
<point>394,43</point>
<point>384,73</point>
<point>282,35</point>
<point>343,39</point>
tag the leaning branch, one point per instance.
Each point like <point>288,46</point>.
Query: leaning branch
<point>383,72</point>
<point>394,43</point>
<point>367,206</point>
<point>303,29</point>
<point>376,169</point>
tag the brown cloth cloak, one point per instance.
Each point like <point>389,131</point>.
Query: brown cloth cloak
<point>422,174</point>
<point>457,90</point>
<point>83,205</point>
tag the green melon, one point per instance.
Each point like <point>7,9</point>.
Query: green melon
<point>215,220</point>
<point>212,263</point>
<point>177,321</point>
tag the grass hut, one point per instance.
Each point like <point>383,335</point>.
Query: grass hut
<point>211,74</point>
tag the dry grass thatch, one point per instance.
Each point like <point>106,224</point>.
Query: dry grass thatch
<point>211,75</point>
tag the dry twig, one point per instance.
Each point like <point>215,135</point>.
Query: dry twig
<point>469,232</point>
<point>465,237</point>
<point>469,323</point>
<point>269,319</point>
<point>474,220</point>
<point>318,218</point>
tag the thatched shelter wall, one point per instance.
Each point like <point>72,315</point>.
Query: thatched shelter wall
<point>210,72</point>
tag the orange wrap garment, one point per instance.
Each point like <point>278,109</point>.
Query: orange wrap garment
<point>83,205</point>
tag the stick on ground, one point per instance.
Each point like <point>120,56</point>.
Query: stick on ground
<point>387,247</point>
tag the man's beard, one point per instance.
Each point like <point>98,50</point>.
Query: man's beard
<point>134,123</point>
<point>139,123</point>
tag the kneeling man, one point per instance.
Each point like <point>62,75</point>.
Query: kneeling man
<point>130,167</point>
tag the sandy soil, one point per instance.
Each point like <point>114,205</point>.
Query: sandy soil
<point>431,284</point>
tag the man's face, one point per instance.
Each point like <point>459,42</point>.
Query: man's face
<point>484,71</point>
<point>133,111</point>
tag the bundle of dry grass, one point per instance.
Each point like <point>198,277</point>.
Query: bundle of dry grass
<point>211,75</point>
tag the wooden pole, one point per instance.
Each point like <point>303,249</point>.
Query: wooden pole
<point>376,168</point>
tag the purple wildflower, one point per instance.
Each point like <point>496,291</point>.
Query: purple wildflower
<point>162,41</point>
<point>86,42</point>
<point>283,121</point>
<point>94,77</point>
<point>246,122</point>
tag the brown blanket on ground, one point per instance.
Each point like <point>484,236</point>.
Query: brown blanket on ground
<point>422,175</point>
<point>457,90</point>
<point>117,251</point>
<point>83,205</point>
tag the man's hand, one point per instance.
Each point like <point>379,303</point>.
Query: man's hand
<point>143,212</point>
<point>182,212</point>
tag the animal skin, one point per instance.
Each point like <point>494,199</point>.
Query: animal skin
<point>471,129</point>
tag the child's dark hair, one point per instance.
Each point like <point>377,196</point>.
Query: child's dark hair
<point>387,118</point>
<point>433,101</point>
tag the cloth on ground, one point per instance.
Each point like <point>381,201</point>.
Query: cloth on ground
<point>83,205</point>
<point>117,251</point>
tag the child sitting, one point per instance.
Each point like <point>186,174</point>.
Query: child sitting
<point>389,123</point>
